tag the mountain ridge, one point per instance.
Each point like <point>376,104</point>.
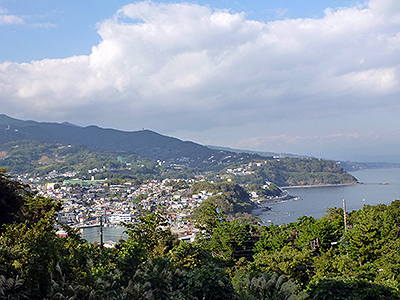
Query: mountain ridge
<point>145,143</point>
<point>42,146</point>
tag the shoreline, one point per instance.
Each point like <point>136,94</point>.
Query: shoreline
<point>262,202</point>
<point>259,211</point>
<point>261,208</point>
<point>319,185</point>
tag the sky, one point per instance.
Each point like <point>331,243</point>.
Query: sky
<point>317,78</point>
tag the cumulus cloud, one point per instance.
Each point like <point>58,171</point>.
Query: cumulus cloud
<point>189,68</point>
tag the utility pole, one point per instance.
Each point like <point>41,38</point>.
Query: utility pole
<point>344,215</point>
<point>101,232</point>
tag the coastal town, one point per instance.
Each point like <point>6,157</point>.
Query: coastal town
<point>89,202</point>
<point>94,203</point>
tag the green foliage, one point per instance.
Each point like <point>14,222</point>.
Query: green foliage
<point>230,241</point>
<point>209,281</point>
<point>156,279</point>
<point>317,233</point>
<point>350,289</point>
<point>274,237</point>
<point>269,286</point>
<point>332,263</point>
<point>229,196</point>
<point>228,260</point>
<point>373,227</point>
<point>209,216</point>
<point>297,171</point>
<point>31,251</point>
<point>189,256</point>
<point>271,191</point>
<point>140,198</point>
<point>9,287</point>
<point>12,195</point>
<point>152,235</point>
<point>389,262</point>
<point>41,158</point>
<point>295,263</point>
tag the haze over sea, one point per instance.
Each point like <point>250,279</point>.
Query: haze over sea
<point>378,186</point>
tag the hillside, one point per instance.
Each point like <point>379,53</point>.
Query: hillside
<point>290,172</point>
<point>144,143</point>
<point>34,147</point>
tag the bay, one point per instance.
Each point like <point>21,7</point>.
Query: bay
<point>377,186</point>
<point>113,234</point>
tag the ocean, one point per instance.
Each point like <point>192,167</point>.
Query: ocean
<point>377,186</point>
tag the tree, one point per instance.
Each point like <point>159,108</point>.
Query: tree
<point>32,250</point>
<point>345,288</point>
<point>209,217</point>
<point>372,228</point>
<point>209,281</point>
<point>389,262</point>
<point>269,286</point>
<point>12,197</point>
<point>274,237</point>
<point>157,278</point>
<point>188,256</point>
<point>151,233</point>
<point>294,263</point>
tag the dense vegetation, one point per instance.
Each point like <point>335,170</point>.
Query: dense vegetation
<point>143,143</point>
<point>38,159</point>
<point>99,147</point>
<point>297,171</point>
<point>307,259</point>
<point>228,197</point>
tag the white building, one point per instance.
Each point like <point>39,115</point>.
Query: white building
<point>118,218</point>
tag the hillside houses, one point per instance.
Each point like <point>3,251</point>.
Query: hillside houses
<point>85,205</point>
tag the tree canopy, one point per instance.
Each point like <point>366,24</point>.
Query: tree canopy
<point>230,259</point>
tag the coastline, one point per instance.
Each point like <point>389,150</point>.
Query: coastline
<point>315,202</point>
<point>288,197</point>
<point>318,185</point>
<point>259,211</point>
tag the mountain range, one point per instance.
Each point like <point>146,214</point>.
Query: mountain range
<point>144,143</point>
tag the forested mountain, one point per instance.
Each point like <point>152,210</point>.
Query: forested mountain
<point>33,147</point>
<point>144,143</point>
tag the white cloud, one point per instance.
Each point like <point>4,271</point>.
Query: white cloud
<point>46,25</point>
<point>7,19</point>
<point>173,67</point>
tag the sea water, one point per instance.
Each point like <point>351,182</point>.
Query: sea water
<point>113,234</point>
<point>376,186</point>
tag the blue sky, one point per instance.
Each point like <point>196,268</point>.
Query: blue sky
<point>317,78</point>
<point>63,28</point>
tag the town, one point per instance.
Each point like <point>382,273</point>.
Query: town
<point>89,202</point>
<point>94,203</point>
